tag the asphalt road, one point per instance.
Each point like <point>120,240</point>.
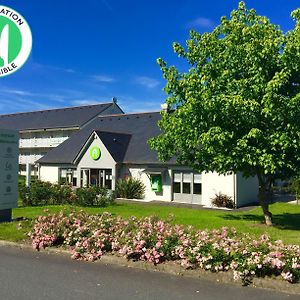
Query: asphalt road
<point>29,275</point>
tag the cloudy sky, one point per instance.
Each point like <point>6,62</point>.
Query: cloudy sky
<point>90,51</point>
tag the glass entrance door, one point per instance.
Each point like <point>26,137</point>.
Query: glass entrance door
<point>96,177</point>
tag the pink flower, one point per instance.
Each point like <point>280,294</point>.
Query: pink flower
<point>158,245</point>
<point>287,276</point>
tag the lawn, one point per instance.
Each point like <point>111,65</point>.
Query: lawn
<point>286,219</point>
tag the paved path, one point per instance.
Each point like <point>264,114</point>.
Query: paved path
<point>28,275</point>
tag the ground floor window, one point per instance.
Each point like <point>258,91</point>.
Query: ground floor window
<point>197,184</point>
<point>68,176</point>
<point>187,187</point>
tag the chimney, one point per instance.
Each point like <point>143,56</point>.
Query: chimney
<point>165,107</point>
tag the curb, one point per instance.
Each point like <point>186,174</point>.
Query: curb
<point>173,268</point>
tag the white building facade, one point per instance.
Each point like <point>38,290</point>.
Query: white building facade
<point>115,147</point>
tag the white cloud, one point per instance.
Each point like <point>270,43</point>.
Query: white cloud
<point>17,92</point>
<point>24,100</point>
<point>103,78</point>
<point>20,105</point>
<point>39,66</point>
<point>202,23</point>
<point>82,102</point>
<point>148,82</point>
<point>131,104</point>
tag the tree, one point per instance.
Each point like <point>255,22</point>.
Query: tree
<point>237,109</point>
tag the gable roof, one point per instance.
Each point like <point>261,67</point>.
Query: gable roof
<point>53,118</point>
<point>139,126</point>
<point>116,143</point>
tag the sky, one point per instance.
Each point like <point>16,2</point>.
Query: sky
<point>87,52</point>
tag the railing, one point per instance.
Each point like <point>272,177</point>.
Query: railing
<point>31,159</point>
<point>41,142</point>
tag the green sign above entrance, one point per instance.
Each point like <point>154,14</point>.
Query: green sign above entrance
<point>95,153</point>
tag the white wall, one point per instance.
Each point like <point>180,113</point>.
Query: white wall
<point>104,162</point>
<point>213,183</point>
<point>138,171</point>
<point>49,173</point>
<point>247,190</point>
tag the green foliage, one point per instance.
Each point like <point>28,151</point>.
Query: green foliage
<point>45,193</point>
<point>130,188</point>
<point>39,193</point>
<point>61,194</point>
<point>222,200</point>
<point>93,196</point>
<point>294,187</point>
<point>238,106</point>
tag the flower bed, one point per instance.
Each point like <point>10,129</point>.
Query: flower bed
<point>156,241</point>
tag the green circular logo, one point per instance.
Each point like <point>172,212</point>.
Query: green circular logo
<point>95,153</point>
<point>15,41</point>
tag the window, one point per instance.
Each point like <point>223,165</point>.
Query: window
<point>187,180</point>
<point>197,184</point>
<point>177,183</point>
<point>187,183</point>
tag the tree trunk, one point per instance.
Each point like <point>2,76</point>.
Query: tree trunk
<point>265,196</point>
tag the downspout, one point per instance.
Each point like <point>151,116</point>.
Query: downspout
<point>115,172</point>
<point>235,190</point>
<point>39,171</point>
<point>114,177</point>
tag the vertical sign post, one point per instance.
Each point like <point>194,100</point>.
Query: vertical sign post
<point>9,166</point>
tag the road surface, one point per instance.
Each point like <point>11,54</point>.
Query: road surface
<point>29,275</point>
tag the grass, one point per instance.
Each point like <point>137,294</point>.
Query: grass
<point>286,219</point>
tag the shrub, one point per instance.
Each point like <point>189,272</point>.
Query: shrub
<point>294,187</point>
<point>130,188</point>
<point>44,193</point>
<point>222,200</point>
<point>62,194</point>
<point>93,196</point>
<point>24,192</point>
<point>39,193</point>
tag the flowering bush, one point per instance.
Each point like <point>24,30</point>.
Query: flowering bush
<point>155,241</point>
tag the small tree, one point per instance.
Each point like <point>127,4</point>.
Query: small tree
<point>238,107</point>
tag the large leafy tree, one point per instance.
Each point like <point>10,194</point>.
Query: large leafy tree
<point>238,106</point>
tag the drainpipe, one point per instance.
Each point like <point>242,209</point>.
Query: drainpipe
<point>235,190</point>
<point>114,177</point>
<point>165,107</point>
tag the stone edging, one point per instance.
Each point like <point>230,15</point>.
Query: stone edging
<point>174,268</point>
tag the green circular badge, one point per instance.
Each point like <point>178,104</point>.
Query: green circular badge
<point>95,153</point>
<point>15,41</point>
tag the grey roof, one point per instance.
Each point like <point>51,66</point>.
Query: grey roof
<point>53,118</point>
<point>140,126</point>
<point>117,143</point>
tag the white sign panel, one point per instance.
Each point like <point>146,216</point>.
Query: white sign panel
<point>9,166</point>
